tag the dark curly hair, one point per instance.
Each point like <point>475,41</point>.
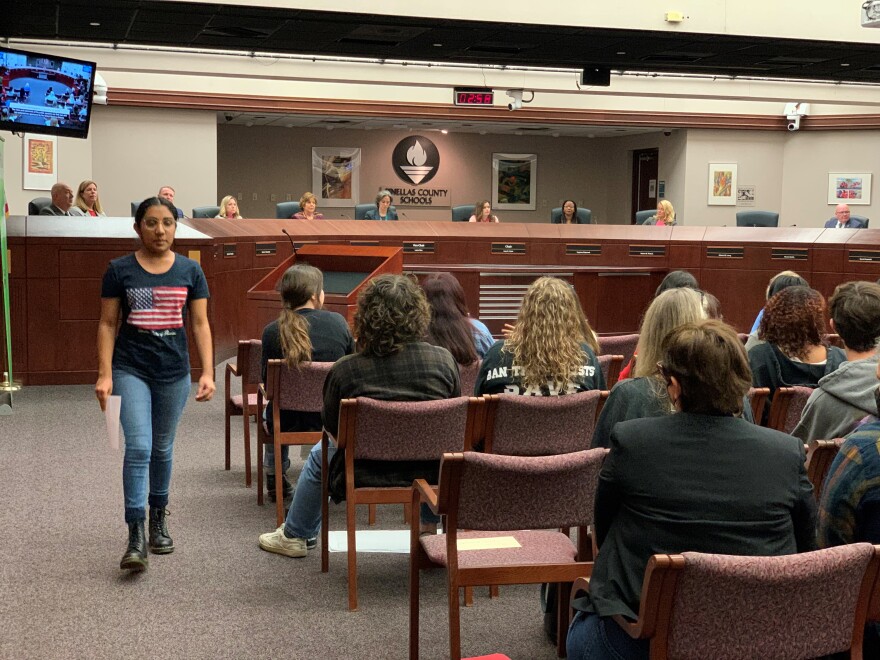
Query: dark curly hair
<point>794,320</point>
<point>391,312</point>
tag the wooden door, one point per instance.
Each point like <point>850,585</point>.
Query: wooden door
<point>644,180</point>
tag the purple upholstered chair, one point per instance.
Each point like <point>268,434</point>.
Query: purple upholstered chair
<point>468,376</point>
<point>820,456</point>
<point>787,406</point>
<point>624,345</point>
<point>391,431</point>
<point>523,498</point>
<point>247,366</point>
<point>696,606</point>
<point>611,366</point>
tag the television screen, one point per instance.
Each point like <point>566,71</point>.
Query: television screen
<point>45,93</point>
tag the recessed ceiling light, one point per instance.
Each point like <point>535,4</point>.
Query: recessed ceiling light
<point>95,24</point>
<point>844,64</point>
<point>444,131</point>
<point>621,52</point>
<point>438,45</point>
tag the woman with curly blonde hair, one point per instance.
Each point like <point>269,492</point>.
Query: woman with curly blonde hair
<point>550,351</point>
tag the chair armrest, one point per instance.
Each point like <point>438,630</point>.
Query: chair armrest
<point>232,368</point>
<point>262,392</point>
<point>580,585</point>
<point>426,494</point>
<point>632,628</point>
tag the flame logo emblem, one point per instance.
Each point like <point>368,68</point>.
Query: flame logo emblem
<point>416,159</point>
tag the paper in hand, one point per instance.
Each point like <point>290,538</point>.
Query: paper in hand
<point>111,414</point>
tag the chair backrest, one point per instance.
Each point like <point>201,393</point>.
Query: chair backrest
<point>641,216</point>
<point>758,399</point>
<point>540,425</point>
<point>757,219</point>
<point>134,208</point>
<point>820,455</point>
<point>861,219</point>
<point>584,216</point>
<point>468,376</point>
<point>834,340</point>
<point>611,366</point>
<point>498,492</point>
<point>286,209</point>
<point>300,389</point>
<point>462,213</point>
<point>762,607</point>
<point>786,408</point>
<point>206,211</point>
<point>743,336</point>
<point>624,345</point>
<point>360,210</point>
<point>406,430</point>
<point>37,204</point>
<point>250,364</point>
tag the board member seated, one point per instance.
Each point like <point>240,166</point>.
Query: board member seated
<point>383,210</point>
<point>842,219</point>
<point>229,208</point>
<point>308,204</point>
<point>483,213</point>
<point>569,215</point>
<point>167,193</point>
<point>62,200</point>
<point>665,215</point>
<point>87,200</point>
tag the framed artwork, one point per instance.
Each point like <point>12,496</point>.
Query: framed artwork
<point>514,178</point>
<point>40,168</point>
<point>722,184</point>
<point>745,195</point>
<point>336,173</point>
<point>849,188</point>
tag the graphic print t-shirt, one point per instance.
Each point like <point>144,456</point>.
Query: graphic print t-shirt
<point>152,338</point>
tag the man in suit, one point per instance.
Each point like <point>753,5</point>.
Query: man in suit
<point>167,192</point>
<point>62,200</point>
<point>842,220</point>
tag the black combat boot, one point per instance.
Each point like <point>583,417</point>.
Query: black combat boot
<point>135,557</point>
<point>286,487</point>
<point>160,541</point>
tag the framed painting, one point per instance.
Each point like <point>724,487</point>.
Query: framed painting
<point>514,180</point>
<point>40,169</point>
<point>849,188</point>
<point>336,173</point>
<point>722,184</point>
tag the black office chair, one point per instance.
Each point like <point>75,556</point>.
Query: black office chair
<point>584,216</point>
<point>286,209</point>
<point>642,216</point>
<point>462,213</point>
<point>360,210</point>
<point>757,219</point>
<point>861,219</point>
<point>206,211</point>
<point>37,204</point>
<point>134,208</point>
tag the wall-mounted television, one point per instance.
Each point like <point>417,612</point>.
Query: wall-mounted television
<point>42,93</point>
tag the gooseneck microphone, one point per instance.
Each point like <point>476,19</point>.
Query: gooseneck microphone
<point>292,244</point>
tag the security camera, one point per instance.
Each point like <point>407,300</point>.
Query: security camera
<point>517,96</point>
<point>99,93</point>
<point>229,116</point>
<point>667,133</point>
<point>794,112</point>
<point>794,122</point>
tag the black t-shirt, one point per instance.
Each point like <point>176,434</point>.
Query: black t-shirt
<point>331,339</point>
<point>152,339</point>
<point>498,375</point>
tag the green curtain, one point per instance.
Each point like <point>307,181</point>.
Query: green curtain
<point>4,269</point>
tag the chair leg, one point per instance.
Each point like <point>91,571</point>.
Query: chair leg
<point>563,614</point>
<point>245,415</point>
<point>371,514</point>
<point>279,483</point>
<point>468,596</point>
<point>259,465</point>
<point>493,591</point>
<point>414,575</point>
<point>352,555</point>
<point>325,510</point>
<point>406,512</point>
<point>227,427</point>
<point>454,621</point>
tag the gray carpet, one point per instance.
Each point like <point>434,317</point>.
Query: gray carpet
<point>218,595</point>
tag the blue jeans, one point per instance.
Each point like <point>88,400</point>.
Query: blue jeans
<point>594,637</point>
<point>304,516</point>
<point>149,416</point>
<point>269,457</point>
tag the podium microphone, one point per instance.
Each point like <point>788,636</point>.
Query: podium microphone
<point>342,215</point>
<point>292,244</point>
<point>404,215</point>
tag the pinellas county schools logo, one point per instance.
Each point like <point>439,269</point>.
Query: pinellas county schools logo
<point>415,159</point>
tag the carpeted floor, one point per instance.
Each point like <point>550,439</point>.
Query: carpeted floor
<point>218,595</point>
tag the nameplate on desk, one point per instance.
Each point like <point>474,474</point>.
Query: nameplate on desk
<point>265,249</point>
<point>301,244</point>
<point>364,243</point>
<point>791,254</point>
<point>864,256</point>
<point>420,247</point>
<point>579,249</point>
<point>721,252</point>
<point>647,250</point>
<point>229,249</point>
<point>508,248</point>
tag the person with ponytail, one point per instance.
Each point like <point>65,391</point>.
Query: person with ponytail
<point>303,333</point>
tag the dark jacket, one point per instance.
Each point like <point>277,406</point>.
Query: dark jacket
<point>852,223</point>
<point>53,210</point>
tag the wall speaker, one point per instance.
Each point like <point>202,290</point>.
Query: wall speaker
<point>599,76</point>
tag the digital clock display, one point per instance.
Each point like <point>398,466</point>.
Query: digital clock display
<point>473,96</point>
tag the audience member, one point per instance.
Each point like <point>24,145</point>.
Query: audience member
<point>569,215</point>
<point>304,332</point>
<point>842,219</point>
<point>777,283</point>
<point>665,215</point>
<point>87,200</point>
<point>392,363</point>
<point>451,326</point>
<point>645,394</point>
<point>795,351</point>
<point>483,213</point>
<point>846,395</point>
<point>307,205</point>
<point>383,210</point>
<point>229,208</point>
<point>167,193</point>
<point>62,200</point>
<point>658,493</point>
<point>550,351</point>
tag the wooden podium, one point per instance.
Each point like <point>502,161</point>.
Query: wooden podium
<point>346,268</point>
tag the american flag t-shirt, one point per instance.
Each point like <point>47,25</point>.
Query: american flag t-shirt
<point>156,308</point>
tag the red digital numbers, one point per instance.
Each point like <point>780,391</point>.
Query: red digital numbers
<point>474,98</point>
